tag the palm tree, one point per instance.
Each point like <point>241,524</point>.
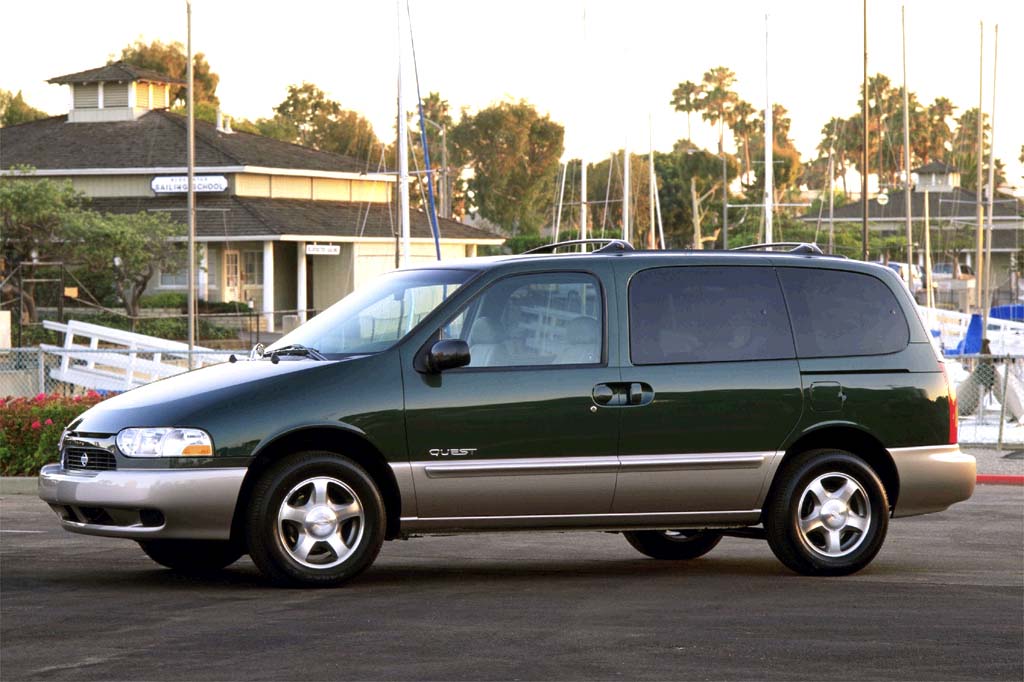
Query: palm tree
<point>833,142</point>
<point>687,97</point>
<point>742,126</point>
<point>719,100</point>
<point>939,133</point>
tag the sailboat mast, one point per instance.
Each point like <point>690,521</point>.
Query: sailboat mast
<point>991,188</point>
<point>651,240</point>
<point>403,151</point>
<point>769,142</point>
<point>979,266</point>
<point>626,232</point>
<point>906,156</point>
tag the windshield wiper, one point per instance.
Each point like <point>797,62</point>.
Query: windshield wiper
<point>295,349</point>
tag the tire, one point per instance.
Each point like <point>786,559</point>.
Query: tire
<point>315,519</point>
<point>828,514</point>
<point>673,545</point>
<point>192,556</point>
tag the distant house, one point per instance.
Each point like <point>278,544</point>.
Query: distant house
<point>284,226</point>
<point>950,206</point>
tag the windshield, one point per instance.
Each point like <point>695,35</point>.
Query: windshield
<point>375,316</point>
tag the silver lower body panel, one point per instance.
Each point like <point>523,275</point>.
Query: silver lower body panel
<point>659,520</point>
<point>932,478</point>
<point>140,504</point>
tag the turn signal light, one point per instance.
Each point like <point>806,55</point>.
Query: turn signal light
<point>197,449</point>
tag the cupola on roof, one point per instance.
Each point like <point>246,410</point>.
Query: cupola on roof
<point>118,72</point>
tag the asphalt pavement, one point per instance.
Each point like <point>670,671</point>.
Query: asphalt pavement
<point>943,601</point>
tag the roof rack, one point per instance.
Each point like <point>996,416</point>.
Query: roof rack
<point>784,247</point>
<point>608,245</point>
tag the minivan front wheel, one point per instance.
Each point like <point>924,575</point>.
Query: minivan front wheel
<point>314,519</point>
<point>828,514</point>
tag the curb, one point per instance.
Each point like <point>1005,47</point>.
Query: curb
<point>1000,479</point>
<point>19,485</point>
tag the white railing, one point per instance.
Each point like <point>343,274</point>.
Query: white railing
<point>124,361</point>
<point>1005,337</point>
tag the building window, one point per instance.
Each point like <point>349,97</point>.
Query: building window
<point>174,280</point>
<point>87,95</point>
<point>253,273</point>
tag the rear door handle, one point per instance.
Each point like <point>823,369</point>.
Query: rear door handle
<point>640,394</point>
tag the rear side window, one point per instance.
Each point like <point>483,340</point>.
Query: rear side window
<point>707,314</point>
<point>842,313</point>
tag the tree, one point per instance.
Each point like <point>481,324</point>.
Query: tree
<point>687,98</point>
<point>437,113</point>
<point>939,134</point>
<point>742,127</point>
<point>34,213</point>
<point>14,110</point>
<point>513,154</point>
<point>719,100</point>
<point>307,117</point>
<point>131,247</point>
<point>965,150</point>
<point>682,172</point>
<point>170,59</point>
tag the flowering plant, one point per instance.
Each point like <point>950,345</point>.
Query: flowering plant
<point>30,429</point>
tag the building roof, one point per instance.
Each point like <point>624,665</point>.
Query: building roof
<point>958,203</point>
<point>220,217</point>
<point>154,140</point>
<point>936,167</point>
<point>118,71</point>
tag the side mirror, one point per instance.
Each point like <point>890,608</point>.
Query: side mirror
<point>448,354</point>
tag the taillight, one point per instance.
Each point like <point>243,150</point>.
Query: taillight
<point>954,418</point>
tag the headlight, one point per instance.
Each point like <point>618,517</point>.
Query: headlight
<point>164,442</point>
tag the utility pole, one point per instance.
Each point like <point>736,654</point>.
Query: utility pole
<point>191,190</point>
<point>864,160</point>
<point>979,243</point>
<point>906,155</point>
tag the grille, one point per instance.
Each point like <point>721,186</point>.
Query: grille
<point>96,459</point>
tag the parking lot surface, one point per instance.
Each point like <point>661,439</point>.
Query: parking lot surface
<point>944,600</point>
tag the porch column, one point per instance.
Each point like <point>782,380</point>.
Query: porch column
<point>300,280</point>
<point>204,273</point>
<point>268,285</point>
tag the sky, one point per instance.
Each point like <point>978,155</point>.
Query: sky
<point>604,69</point>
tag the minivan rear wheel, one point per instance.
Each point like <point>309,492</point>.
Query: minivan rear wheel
<point>828,514</point>
<point>314,519</point>
<point>673,544</point>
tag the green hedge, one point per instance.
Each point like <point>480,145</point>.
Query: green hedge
<point>30,429</point>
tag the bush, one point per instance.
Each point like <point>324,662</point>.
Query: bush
<point>166,299</point>
<point>30,429</point>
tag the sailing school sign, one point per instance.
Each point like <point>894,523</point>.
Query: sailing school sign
<point>178,184</point>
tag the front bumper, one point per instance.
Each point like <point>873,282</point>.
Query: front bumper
<point>194,504</point>
<point>932,478</point>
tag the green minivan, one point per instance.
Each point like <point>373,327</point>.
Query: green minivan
<point>675,397</point>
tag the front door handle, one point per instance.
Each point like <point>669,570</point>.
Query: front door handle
<point>603,394</point>
<point>640,394</point>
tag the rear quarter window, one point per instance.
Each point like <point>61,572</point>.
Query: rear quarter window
<point>707,314</point>
<point>837,313</point>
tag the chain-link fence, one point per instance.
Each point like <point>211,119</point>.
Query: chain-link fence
<point>26,372</point>
<point>990,398</point>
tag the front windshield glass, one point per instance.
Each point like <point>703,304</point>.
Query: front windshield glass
<point>375,316</point>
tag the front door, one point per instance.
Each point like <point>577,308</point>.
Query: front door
<point>517,432</point>
<point>232,276</point>
<point>714,388</point>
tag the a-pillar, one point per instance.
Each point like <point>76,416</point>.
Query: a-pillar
<point>268,285</point>
<point>300,280</point>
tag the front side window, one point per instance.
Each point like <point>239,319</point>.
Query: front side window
<point>707,314</point>
<point>533,320</point>
<point>836,312</point>
<point>377,315</point>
